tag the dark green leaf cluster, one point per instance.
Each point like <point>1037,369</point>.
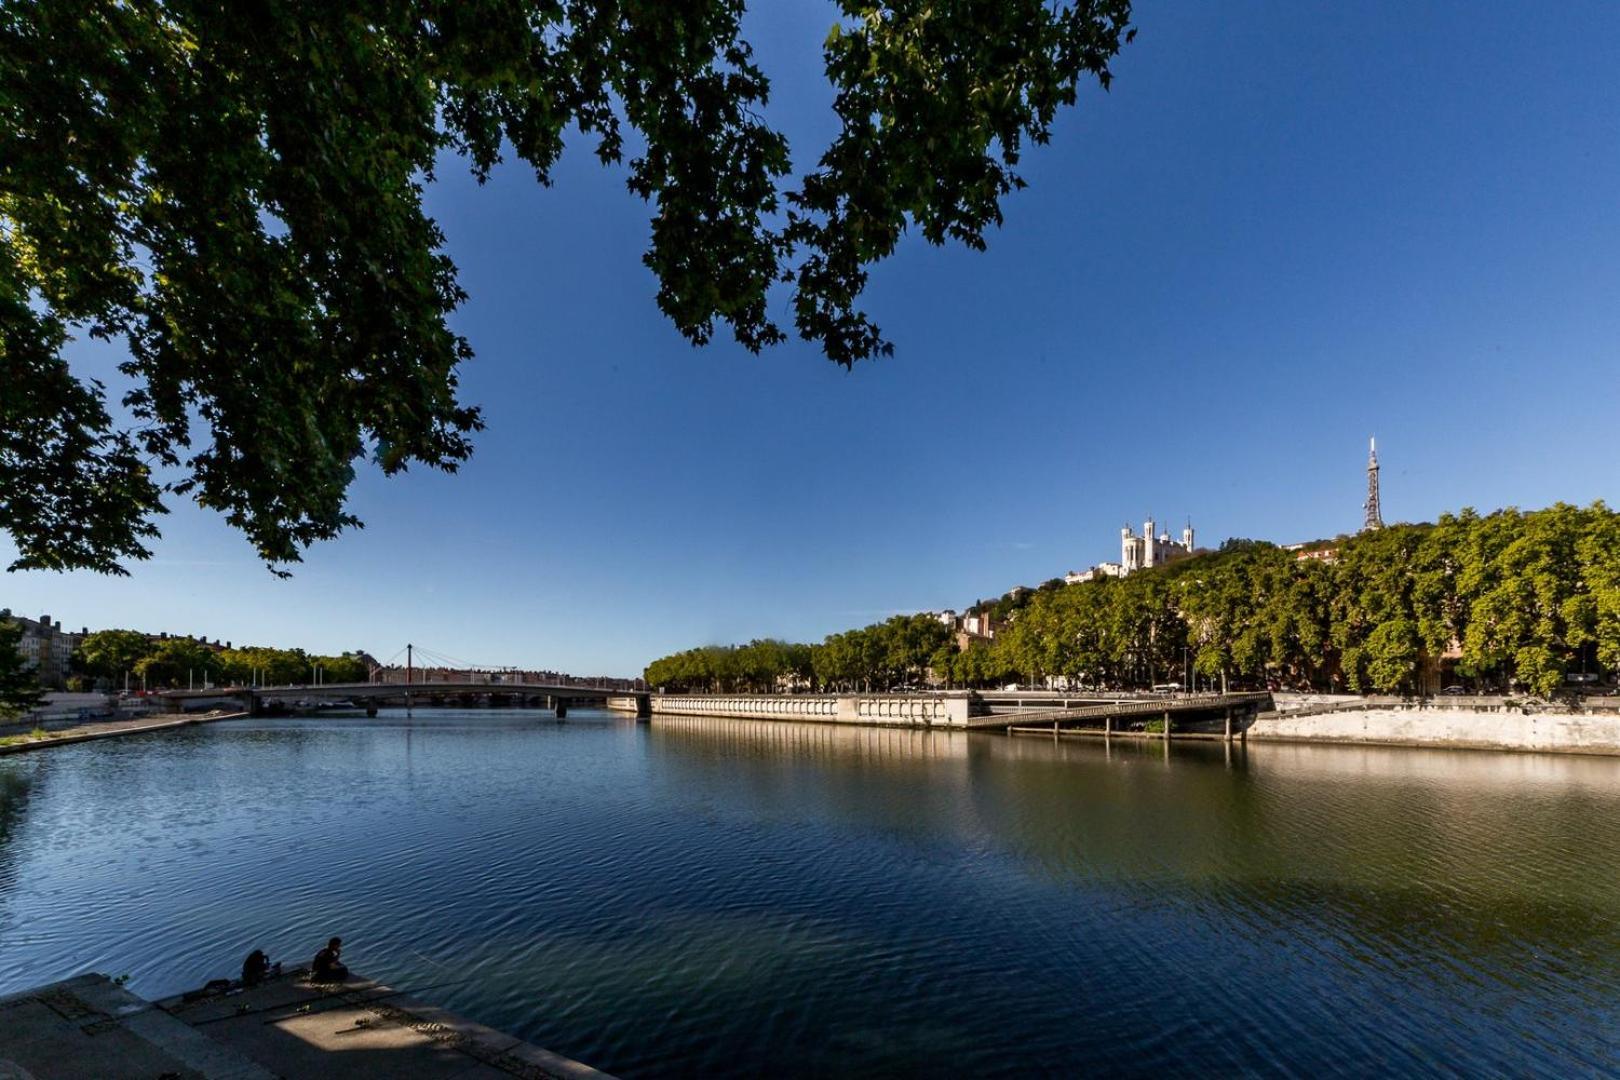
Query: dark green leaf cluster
<point>884,654</point>
<point>19,684</point>
<point>764,666</point>
<point>896,652</point>
<point>1507,599</point>
<point>235,194</point>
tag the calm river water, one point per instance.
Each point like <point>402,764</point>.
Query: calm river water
<point>730,897</point>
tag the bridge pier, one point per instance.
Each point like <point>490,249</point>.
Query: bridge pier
<point>562,708</point>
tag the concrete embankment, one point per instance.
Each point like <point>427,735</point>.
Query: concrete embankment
<point>285,1027</point>
<point>1500,726</point>
<point>24,741</point>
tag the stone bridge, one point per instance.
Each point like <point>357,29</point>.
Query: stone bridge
<point>371,695</point>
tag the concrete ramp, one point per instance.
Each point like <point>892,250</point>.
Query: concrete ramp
<point>286,1027</point>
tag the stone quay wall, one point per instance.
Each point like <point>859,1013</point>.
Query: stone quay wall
<point>1479,728</point>
<point>887,710</point>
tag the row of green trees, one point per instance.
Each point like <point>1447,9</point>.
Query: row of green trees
<point>760,666</point>
<point>106,656</point>
<point>1507,599</point>
<point>893,653</point>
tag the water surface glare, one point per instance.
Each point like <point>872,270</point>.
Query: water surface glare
<point>739,898</point>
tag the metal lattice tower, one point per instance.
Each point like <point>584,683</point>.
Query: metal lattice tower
<point>1375,517</point>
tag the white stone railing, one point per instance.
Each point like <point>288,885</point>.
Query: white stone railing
<point>901,710</point>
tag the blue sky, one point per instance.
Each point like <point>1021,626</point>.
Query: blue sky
<point>1287,227</point>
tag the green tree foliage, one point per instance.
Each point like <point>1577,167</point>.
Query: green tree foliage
<point>170,662</point>
<point>108,654</point>
<point>264,666</point>
<point>236,195</point>
<point>1512,599</point>
<point>179,662</point>
<point>345,668</point>
<point>1390,658</point>
<point>763,666</point>
<point>283,667</point>
<point>19,684</point>
<point>898,652</point>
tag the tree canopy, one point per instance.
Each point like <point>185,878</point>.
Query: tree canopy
<point>235,194</point>
<point>110,654</point>
<point>107,655</point>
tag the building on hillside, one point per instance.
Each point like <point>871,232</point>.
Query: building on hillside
<point>1152,549</point>
<point>974,626</point>
<point>48,649</point>
<point>201,639</point>
<point>1317,550</point>
<point>1101,570</point>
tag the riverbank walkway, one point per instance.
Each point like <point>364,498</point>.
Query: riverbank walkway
<point>21,742</point>
<point>286,1027</point>
<point>1114,718</point>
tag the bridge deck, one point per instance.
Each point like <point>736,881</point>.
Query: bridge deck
<point>391,689</point>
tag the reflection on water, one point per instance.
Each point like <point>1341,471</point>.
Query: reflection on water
<point>739,897</point>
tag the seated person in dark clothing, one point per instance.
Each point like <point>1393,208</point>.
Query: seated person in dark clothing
<point>255,968</point>
<point>327,966</point>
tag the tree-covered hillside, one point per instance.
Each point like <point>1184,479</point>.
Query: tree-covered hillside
<point>1507,599</point>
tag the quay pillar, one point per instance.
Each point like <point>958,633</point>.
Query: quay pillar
<point>1108,727</point>
<point>1167,725</point>
<point>1229,724</point>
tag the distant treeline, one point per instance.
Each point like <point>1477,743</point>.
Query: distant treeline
<point>1506,599</point>
<point>106,655</point>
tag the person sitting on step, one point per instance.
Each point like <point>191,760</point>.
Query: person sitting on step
<point>255,968</point>
<point>328,965</point>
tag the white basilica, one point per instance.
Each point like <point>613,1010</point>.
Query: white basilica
<point>1151,549</point>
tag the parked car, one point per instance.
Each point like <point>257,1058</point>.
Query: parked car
<point>1454,690</point>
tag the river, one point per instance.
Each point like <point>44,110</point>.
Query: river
<point>749,898</point>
